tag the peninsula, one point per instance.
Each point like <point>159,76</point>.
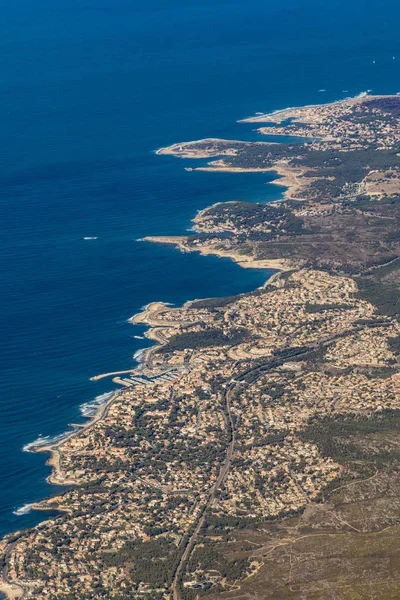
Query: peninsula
<point>255,452</point>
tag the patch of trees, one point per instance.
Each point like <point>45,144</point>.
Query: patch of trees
<point>338,163</point>
<point>389,105</point>
<point>275,390</point>
<point>215,303</point>
<point>217,525</point>
<point>318,308</point>
<point>394,344</point>
<point>372,322</point>
<point>345,167</point>
<point>207,558</point>
<point>337,437</point>
<point>383,294</point>
<point>212,303</point>
<point>204,339</point>
<point>252,156</point>
<point>153,562</point>
<point>248,215</point>
<point>379,372</point>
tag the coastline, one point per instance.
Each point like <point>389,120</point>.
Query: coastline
<point>188,149</point>
<point>287,178</point>
<point>146,316</point>
<point>351,100</point>
<point>56,477</point>
<point>246,262</point>
<point>291,180</point>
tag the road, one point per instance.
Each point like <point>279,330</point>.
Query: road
<point>4,574</point>
<point>224,469</point>
<point>298,353</point>
<point>226,395</point>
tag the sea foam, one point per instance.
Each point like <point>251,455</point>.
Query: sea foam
<point>146,306</point>
<point>88,409</point>
<point>138,356</point>
<point>23,510</point>
<point>364,94</point>
<point>44,440</point>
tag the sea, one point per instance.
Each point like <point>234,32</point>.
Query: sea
<point>89,89</point>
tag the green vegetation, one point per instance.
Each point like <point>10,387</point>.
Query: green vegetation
<point>318,308</point>
<point>339,437</point>
<point>153,562</point>
<point>247,216</point>
<point>383,294</point>
<point>204,339</point>
<point>250,156</point>
<point>207,558</point>
<point>389,105</point>
<point>212,303</point>
<point>338,170</point>
<point>394,344</point>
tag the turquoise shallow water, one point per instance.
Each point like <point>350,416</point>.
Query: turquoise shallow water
<point>88,91</point>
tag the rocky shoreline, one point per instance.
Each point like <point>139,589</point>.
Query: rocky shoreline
<point>245,396</point>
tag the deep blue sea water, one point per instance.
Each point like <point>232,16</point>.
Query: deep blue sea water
<point>88,90</point>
